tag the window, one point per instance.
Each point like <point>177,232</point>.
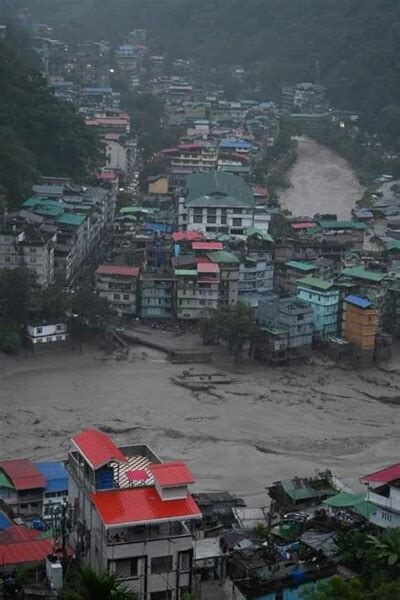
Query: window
<point>116,296</point>
<point>126,296</point>
<point>33,250</point>
<point>59,327</point>
<point>211,219</point>
<point>127,567</point>
<point>184,561</point>
<point>39,329</point>
<point>49,339</point>
<point>198,211</point>
<point>237,211</point>
<point>300,317</point>
<point>198,219</point>
<point>161,564</point>
<point>59,338</point>
<point>211,211</point>
<point>223,219</point>
<point>237,222</point>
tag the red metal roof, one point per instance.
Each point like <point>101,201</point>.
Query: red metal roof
<point>207,246</point>
<point>25,552</point>
<point>383,476</point>
<point>303,225</point>
<point>207,267</point>
<point>23,474</point>
<point>97,448</point>
<point>141,505</point>
<point>189,236</point>
<point>117,270</point>
<point>18,533</point>
<point>172,473</point>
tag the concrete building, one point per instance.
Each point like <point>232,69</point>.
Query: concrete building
<point>219,202</point>
<point>197,291</point>
<point>391,319</point>
<point>324,299</point>
<point>158,184</point>
<point>56,490</point>
<point>287,275</point>
<point>190,158</point>
<point>22,486</point>
<point>28,247</point>
<point>383,491</point>
<point>118,285</point>
<point>139,511</point>
<point>360,326</point>
<point>229,276</point>
<point>256,274</point>
<point>47,333</point>
<point>288,313</point>
<point>338,236</point>
<point>157,296</point>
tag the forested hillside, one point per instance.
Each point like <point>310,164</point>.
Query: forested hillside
<point>355,42</point>
<point>38,133</point>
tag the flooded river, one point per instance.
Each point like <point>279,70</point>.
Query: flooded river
<point>322,182</point>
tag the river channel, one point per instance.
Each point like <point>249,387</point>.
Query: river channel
<point>321,182</point>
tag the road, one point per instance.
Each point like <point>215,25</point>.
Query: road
<point>322,182</point>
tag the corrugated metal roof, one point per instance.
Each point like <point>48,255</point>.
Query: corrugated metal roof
<point>117,270</point>
<point>385,475</point>
<point>189,236</point>
<point>207,184</point>
<point>141,505</point>
<point>18,533</point>
<point>223,256</point>
<point>204,267</point>
<point>172,473</point>
<point>207,246</point>
<point>186,272</point>
<point>97,448</point>
<point>301,265</point>
<point>5,481</point>
<point>342,225</point>
<point>5,522</point>
<point>362,273</point>
<point>23,474</point>
<point>358,301</point>
<point>56,475</point>
<point>71,219</point>
<point>25,552</point>
<point>315,282</point>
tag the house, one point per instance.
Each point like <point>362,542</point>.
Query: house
<point>197,291</point>
<point>256,277</point>
<point>324,299</point>
<point>383,491</point>
<point>219,202</point>
<point>119,286</point>
<point>22,486</point>
<point>290,272</point>
<point>360,326</point>
<point>140,512</point>
<point>292,315</point>
<point>56,490</point>
<point>39,334</point>
<point>338,236</point>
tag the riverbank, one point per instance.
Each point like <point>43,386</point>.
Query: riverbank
<point>257,426</point>
<point>321,182</point>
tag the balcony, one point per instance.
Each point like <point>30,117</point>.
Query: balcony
<point>146,533</point>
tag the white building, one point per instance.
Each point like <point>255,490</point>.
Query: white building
<point>45,333</point>
<point>139,512</point>
<point>197,291</point>
<point>383,491</point>
<point>219,202</point>
<point>119,286</point>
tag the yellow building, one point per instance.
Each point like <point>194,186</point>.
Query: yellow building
<point>360,326</point>
<point>158,184</point>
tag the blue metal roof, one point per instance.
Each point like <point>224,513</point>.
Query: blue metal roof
<point>5,522</point>
<point>56,476</point>
<point>358,301</point>
<point>234,143</point>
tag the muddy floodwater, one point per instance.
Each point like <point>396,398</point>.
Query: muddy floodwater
<point>321,182</point>
<point>259,425</point>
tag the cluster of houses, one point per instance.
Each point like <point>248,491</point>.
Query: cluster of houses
<point>124,510</point>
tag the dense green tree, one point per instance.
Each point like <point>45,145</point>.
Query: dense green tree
<point>18,294</point>
<point>232,324</point>
<point>387,546</point>
<point>88,311</point>
<point>86,584</point>
<point>336,589</point>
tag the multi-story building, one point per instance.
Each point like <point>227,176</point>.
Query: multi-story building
<point>119,286</point>
<point>287,275</point>
<point>190,158</point>
<point>219,202</point>
<point>256,272</point>
<point>360,326</point>
<point>139,511</point>
<point>391,320</point>
<point>338,236</point>
<point>22,486</point>
<point>229,276</point>
<point>157,296</point>
<point>324,299</point>
<point>47,333</point>
<point>383,494</point>
<point>56,490</point>
<point>29,247</point>
<point>288,313</point>
<point>197,291</point>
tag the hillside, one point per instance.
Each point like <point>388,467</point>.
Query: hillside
<point>38,133</point>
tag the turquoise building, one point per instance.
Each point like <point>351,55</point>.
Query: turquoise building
<point>324,298</point>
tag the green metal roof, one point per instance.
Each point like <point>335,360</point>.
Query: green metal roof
<point>356,501</point>
<point>299,489</point>
<point>34,200</point>
<point>5,482</point>
<point>71,219</point>
<point>218,201</point>
<point>223,256</point>
<point>393,245</point>
<point>218,183</point>
<point>342,225</point>
<point>315,282</point>
<point>255,232</point>
<point>362,273</point>
<point>48,209</point>
<point>188,272</point>
<point>301,265</point>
